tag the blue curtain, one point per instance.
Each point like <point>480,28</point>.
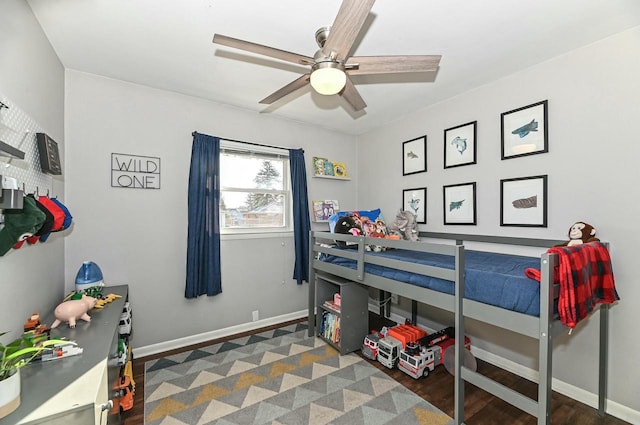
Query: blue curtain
<point>203,235</point>
<point>301,222</point>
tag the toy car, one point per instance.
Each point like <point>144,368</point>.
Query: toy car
<point>123,351</point>
<point>128,372</point>
<point>123,400</point>
<point>127,309</point>
<point>124,327</point>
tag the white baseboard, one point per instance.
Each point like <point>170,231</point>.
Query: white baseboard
<point>590,399</point>
<point>218,333</point>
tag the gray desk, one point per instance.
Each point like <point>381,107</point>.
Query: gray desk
<point>70,390</point>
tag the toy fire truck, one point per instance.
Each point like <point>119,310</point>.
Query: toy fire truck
<point>370,344</point>
<point>421,357</point>
<point>396,340</point>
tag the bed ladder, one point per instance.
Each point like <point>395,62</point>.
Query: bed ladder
<point>541,408</point>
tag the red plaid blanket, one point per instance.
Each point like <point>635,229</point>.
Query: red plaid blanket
<point>586,279</point>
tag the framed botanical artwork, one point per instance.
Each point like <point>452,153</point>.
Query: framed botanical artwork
<point>460,145</point>
<point>459,202</point>
<point>523,201</point>
<point>415,200</point>
<point>414,156</point>
<point>525,131</point>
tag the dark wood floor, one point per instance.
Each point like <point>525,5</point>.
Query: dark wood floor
<point>481,408</point>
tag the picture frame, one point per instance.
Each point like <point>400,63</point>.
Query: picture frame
<point>523,201</point>
<point>414,156</point>
<point>525,131</point>
<point>415,201</point>
<point>323,209</point>
<point>459,203</point>
<point>460,145</point>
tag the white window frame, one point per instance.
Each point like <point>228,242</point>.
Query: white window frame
<point>253,232</point>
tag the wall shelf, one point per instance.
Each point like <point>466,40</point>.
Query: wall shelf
<point>10,151</point>
<point>319,176</point>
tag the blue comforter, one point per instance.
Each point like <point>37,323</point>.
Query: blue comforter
<point>490,278</point>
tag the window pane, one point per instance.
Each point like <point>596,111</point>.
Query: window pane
<point>245,171</point>
<point>251,209</point>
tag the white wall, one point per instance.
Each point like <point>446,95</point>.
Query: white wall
<point>593,97</point>
<point>32,77</point>
<point>139,236</point>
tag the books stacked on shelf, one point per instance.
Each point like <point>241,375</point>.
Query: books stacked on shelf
<point>330,304</point>
<point>330,328</point>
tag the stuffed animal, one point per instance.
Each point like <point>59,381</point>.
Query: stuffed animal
<point>405,226</point>
<point>347,225</point>
<point>72,310</point>
<point>580,233</point>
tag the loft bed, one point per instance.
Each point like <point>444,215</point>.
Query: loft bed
<point>401,270</point>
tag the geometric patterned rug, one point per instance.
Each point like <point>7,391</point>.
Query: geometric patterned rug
<point>277,377</point>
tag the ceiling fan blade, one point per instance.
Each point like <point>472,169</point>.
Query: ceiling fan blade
<point>392,64</point>
<point>351,95</point>
<point>289,88</point>
<point>346,27</point>
<point>262,50</point>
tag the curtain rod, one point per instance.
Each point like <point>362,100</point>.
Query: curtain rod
<point>249,143</point>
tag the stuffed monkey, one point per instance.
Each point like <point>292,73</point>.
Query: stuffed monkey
<point>580,233</point>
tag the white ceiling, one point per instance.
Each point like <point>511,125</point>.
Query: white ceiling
<point>166,44</point>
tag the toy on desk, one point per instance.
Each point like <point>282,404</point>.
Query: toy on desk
<point>72,310</point>
<point>93,291</point>
<point>102,301</point>
<point>32,322</point>
<point>33,328</point>
<point>60,351</point>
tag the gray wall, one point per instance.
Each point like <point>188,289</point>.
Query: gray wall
<point>139,236</point>
<point>32,77</point>
<point>593,97</point>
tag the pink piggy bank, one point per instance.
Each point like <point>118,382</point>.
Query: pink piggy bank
<point>70,311</point>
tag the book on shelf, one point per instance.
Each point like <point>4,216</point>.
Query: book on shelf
<point>323,209</point>
<point>330,327</point>
<point>318,165</point>
<point>332,305</point>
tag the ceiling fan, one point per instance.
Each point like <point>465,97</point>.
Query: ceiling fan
<point>331,65</point>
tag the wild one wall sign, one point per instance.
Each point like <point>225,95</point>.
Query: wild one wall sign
<point>135,171</point>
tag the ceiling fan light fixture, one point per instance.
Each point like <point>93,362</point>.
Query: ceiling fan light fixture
<point>328,78</point>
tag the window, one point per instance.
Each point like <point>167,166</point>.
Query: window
<point>255,192</point>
